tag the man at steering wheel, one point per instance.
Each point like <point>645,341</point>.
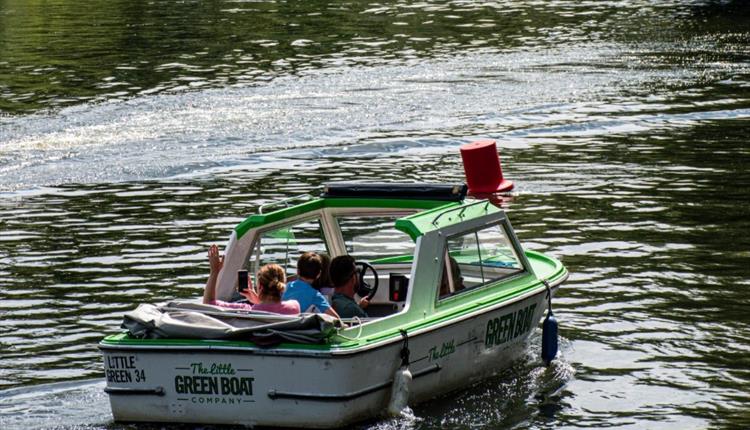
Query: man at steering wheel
<point>345,280</point>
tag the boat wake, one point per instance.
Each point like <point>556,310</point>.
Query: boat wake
<point>63,405</point>
<point>532,97</point>
<point>528,388</point>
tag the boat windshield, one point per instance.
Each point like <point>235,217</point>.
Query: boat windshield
<point>375,239</point>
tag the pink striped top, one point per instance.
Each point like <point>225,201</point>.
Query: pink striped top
<point>287,307</point>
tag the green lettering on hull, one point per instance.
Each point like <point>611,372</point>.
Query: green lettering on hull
<point>509,326</point>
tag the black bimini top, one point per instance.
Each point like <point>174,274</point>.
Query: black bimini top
<point>396,190</point>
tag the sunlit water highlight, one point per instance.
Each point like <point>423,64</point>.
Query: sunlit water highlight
<point>518,98</point>
<point>624,125</point>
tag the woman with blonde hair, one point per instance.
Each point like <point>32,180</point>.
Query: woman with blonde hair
<point>271,286</point>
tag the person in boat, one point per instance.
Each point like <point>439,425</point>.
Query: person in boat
<point>271,285</point>
<point>345,278</point>
<point>323,283</point>
<point>309,267</point>
<point>458,280</point>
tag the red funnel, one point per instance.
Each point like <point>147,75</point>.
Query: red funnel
<point>482,167</point>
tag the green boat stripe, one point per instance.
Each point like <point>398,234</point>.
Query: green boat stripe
<point>283,350</point>
<point>413,231</point>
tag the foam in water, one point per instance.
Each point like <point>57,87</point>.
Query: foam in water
<point>60,405</point>
<point>513,97</point>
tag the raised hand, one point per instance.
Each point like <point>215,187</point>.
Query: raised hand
<point>215,260</point>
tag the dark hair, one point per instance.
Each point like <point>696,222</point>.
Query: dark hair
<point>309,265</point>
<point>324,280</point>
<point>342,269</point>
<point>271,281</point>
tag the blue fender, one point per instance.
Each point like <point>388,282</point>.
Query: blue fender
<point>549,338</point>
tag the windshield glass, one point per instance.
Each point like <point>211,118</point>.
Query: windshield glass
<point>476,258</point>
<point>375,239</point>
<point>284,245</point>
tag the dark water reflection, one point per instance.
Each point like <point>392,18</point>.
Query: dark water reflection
<point>624,124</point>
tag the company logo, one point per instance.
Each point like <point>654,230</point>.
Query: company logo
<point>214,383</point>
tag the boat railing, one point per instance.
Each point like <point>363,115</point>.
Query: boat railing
<point>285,202</point>
<point>461,210</point>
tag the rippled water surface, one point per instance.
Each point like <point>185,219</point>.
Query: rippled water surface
<point>135,134</point>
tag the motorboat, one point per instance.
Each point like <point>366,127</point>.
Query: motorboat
<point>462,322</point>
<point>454,298</point>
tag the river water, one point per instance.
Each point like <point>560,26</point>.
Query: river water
<point>135,134</point>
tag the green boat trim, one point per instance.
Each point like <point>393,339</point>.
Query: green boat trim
<point>260,220</point>
<point>122,342</point>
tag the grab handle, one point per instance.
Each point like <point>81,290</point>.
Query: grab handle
<point>120,391</point>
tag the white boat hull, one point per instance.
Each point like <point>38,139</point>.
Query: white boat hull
<point>293,388</point>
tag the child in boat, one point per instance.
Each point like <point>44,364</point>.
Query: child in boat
<point>271,286</point>
<point>309,267</point>
<point>323,283</point>
<point>345,280</point>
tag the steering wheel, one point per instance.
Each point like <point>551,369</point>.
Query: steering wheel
<point>365,289</point>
